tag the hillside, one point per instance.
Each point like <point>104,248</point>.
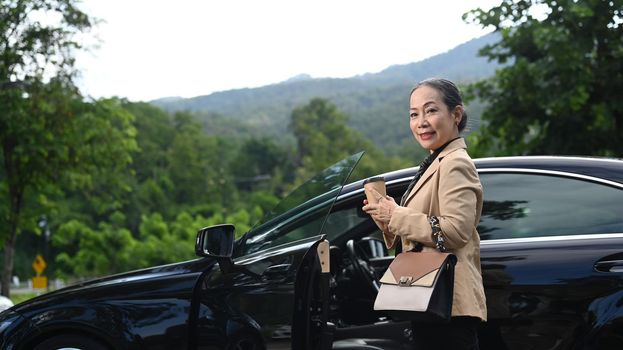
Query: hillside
<point>376,102</point>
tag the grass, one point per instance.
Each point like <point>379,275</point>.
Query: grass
<point>17,298</point>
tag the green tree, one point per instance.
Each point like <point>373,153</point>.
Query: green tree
<point>151,185</point>
<point>323,137</point>
<point>91,252</point>
<point>48,134</point>
<point>259,162</point>
<point>29,52</point>
<point>56,144</point>
<point>155,133</point>
<point>560,91</point>
<point>192,164</point>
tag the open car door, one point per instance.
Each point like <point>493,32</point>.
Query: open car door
<point>272,292</point>
<point>310,326</point>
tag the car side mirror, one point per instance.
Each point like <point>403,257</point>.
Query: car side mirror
<point>215,241</point>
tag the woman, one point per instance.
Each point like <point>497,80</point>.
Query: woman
<point>445,194</point>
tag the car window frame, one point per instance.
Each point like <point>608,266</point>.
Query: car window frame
<point>555,173</point>
<point>300,219</point>
<point>321,204</point>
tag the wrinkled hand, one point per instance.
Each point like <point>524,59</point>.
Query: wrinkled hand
<point>382,211</point>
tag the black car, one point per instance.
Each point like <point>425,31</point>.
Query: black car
<point>306,278</point>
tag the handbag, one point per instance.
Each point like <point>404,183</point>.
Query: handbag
<point>418,286</point>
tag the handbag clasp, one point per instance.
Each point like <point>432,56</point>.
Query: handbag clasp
<point>405,281</point>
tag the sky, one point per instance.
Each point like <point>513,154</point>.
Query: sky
<point>148,49</point>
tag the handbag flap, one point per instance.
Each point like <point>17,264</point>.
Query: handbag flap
<point>415,268</point>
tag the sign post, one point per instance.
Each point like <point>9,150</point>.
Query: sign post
<point>39,282</point>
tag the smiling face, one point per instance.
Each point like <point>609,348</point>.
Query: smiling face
<point>431,121</point>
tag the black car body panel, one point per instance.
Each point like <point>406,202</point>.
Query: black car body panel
<point>551,253</point>
<point>550,290</point>
<point>547,294</point>
<point>142,309</point>
<point>253,304</point>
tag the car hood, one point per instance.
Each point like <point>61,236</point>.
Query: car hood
<point>118,282</point>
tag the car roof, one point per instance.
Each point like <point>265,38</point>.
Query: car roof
<point>605,168</point>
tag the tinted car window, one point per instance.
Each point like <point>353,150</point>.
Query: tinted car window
<point>337,224</point>
<point>529,205</point>
<point>340,222</point>
<point>300,215</point>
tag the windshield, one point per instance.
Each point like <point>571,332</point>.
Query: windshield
<point>303,212</point>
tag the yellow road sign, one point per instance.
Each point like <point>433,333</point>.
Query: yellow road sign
<point>40,282</point>
<point>39,264</point>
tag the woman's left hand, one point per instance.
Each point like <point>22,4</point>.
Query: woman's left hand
<point>382,210</point>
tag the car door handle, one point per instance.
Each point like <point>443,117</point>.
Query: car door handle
<point>609,266</point>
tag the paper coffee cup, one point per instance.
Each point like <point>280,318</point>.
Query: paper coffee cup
<point>374,188</point>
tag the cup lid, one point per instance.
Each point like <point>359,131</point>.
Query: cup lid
<point>373,179</point>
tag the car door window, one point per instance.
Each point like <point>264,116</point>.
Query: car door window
<point>302,213</point>
<point>341,221</point>
<point>520,205</point>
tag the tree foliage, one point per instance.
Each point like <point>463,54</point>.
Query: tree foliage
<point>38,40</point>
<point>560,90</point>
<point>117,215</point>
<point>117,185</point>
<point>323,136</point>
<point>48,134</point>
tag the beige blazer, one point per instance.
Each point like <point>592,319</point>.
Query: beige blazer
<point>449,189</point>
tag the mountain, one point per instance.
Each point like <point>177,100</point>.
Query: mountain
<point>377,103</point>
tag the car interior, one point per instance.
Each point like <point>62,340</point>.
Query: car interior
<point>359,258</point>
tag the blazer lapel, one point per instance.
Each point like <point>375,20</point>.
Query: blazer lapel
<point>427,174</point>
<point>453,146</point>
